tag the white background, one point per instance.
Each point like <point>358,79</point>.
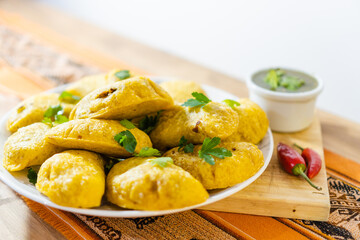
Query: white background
<point>238,37</point>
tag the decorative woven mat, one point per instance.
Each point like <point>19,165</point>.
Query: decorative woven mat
<point>18,50</point>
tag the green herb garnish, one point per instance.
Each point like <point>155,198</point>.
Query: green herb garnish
<point>54,110</point>
<point>148,152</point>
<point>273,78</point>
<point>198,100</point>
<point>59,119</point>
<point>69,97</point>
<point>231,103</point>
<point>127,140</point>
<point>47,121</point>
<point>147,124</point>
<point>54,114</point>
<point>185,145</point>
<point>276,78</point>
<point>291,83</point>
<point>208,150</point>
<point>126,123</point>
<point>123,74</point>
<point>162,161</point>
<point>32,176</point>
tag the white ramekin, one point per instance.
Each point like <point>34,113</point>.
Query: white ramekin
<point>287,112</point>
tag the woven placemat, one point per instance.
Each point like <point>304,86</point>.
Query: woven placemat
<point>21,50</point>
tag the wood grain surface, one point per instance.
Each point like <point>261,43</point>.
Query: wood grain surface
<point>17,221</point>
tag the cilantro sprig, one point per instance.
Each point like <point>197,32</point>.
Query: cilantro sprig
<point>54,114</point>
<point>208,150</point>
<point>162,161</point>
<point>126,123</point>
<point>127,140</point>
<point>185,145</point>
<point>148,152</point>
<point>123,74</point>
<point>231,103</point>
<point>276,78</point>
<point>291,83</point>
<point>147,124</point>
<point>199,100</point>
<point>32,176</point>
<point>68,97</point>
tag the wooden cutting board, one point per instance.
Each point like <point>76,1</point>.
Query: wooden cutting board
<point>279,194</point>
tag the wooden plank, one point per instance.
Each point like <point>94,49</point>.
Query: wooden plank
<point>276,193</point>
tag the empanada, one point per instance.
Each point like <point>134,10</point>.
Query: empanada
<point>253,123</point>
<point>95,135</point>
<point>125,99</point>
<point>136,183</point>
<point>195,124</point>
<point>87,84</point>
<point>246,160</point>
<point>181,91</point>
<point>73,178</point>
<point>28,147</point>
<point>32,110</point>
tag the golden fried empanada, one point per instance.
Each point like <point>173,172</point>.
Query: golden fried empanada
<point>87,84</point>
<point>95,135</point>
<point>136,183</point>
<point>125,99</point>
<point>246,160</point>
<point>253,123</point>
<point>73,178</point>
<point>32,110</point>
<point>181,91</point>
<point>28,147</point>
<point>195,124</point>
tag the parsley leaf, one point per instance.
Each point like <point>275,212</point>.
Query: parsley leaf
<point>200,100</point>
<point>148,152</point>
<point>231,103</point>
<point>147,124</point>
<point>208,150</point>
<point>126,123</point>
<point>123,74</point>
<point>54,114</point>
<point>291,83</point>
<point>47,121</point>
<point>60,119</point>
<point>69,97</point>
<point>127,140</point>
<point>277,78</point>
<point>32,176</point>
<point>187,147</point>
<point>162,161</point>
<point>273,78</point>
<point>54,110</point>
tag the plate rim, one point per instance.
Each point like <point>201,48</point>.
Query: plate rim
<point>129,213</point>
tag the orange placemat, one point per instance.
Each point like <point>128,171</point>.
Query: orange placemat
<point>29,66</point>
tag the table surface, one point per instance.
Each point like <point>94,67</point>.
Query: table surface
<point>17,221</point>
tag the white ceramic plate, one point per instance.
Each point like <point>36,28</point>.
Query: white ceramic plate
<point>18,180</point>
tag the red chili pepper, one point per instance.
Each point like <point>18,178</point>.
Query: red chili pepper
<point>312,159</point>
<point>293,163</point>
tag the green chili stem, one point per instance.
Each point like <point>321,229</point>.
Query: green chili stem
<point>302,149</point>
<point>298,171</point>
